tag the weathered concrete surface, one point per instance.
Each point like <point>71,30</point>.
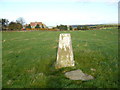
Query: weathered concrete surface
<point>65,52</point>
<point>78,75</point>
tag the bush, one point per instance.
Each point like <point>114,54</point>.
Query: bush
<point>15,26</point>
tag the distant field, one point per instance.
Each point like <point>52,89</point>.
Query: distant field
<point>29,57</point>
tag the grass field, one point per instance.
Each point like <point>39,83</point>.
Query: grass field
<point>28,59</point>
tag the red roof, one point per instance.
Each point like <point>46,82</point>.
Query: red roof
<point>35,23</point>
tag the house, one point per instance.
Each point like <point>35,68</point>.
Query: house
<point>33,24</point>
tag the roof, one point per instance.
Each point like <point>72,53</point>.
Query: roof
<point>35,23</point>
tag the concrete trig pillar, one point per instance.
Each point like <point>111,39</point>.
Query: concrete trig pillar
<point>65,53</point>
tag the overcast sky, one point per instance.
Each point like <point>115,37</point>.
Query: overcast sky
<point>56,12</point>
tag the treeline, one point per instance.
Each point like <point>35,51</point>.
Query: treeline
<point>19,24</point>
<point>94,27</point>
<point>65,27</point>
<point>84,27</point>
<point>13,25</point>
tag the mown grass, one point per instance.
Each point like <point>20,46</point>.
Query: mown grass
<point>28,59</point>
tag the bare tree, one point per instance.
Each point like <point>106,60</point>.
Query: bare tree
<point>21,20</point>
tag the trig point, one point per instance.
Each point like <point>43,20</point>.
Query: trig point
<point>65,52</point>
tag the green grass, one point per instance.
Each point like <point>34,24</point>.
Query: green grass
<point>29,57</point>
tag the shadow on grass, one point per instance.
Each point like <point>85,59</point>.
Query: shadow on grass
<point>57,79</point>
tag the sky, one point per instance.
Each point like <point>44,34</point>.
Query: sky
<point>56,12</point>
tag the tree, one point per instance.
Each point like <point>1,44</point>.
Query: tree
<point>71,28</point>
<point>85,28</point>
<point>57,27</point>
<point>42,26</point>
<point>19,26</point>
<point>29,26</point>
<point>21,21</point>
<point>37,26</point>
<point>63,27</point>
<point>78,27</point>
<point>3,24</point>
<point>15,26</point>
<point>12,26</point>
